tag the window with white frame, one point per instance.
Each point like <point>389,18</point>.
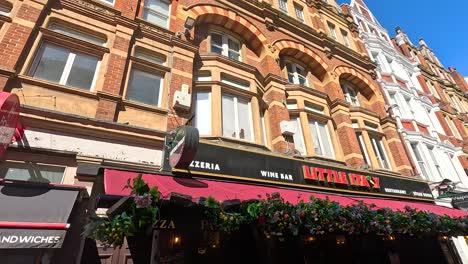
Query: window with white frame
<point>453,127</point>
<point>283,5</point>
<point>237,117</point>
<point>350,94</point>
<point>380,154</point>
<point>109,1</point>
<point>423,166</point>
<point>432,89</point>
<point>65,66</point>
<point>31,171</point>
<point>226,45</point>
<point>362,146</point>
<point>321,139</point>
<point>157,12</point>
<point>345,38</point>
<point>296,74</point>
<point>299,13</point>
<point>434,161</point>
<point>455,103</point>
<point>298,136</point>
<point>74,33</point>
<point>332,30</point>
<point>234,82</point>
<point>145,87</point>
<point>203,113</point>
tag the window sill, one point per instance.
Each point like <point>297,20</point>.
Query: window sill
<point>5,18</point>
<point>305,89</point>
<point>56,86</point>
<point>231,62</point>
<point>146,107</point>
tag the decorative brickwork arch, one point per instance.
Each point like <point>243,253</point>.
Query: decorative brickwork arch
<point>365,87</point>
<point>211,14</point>
<point>304,54</point>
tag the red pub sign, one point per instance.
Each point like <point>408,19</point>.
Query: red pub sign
<point>339,177</point>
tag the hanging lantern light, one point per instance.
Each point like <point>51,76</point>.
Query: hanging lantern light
<point>340,240</point>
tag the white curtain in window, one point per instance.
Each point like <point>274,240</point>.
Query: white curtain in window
<point>203,113</point>
<point>244,119</point>
<point>229,120</point>
<point>298,138</point>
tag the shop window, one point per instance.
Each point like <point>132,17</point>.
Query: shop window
<point>345,38</point>
<point>65,66</point>
<point>237,118</point>
<point>299,13</point>
<point>298,136</point>
<point>203,113</point>
<point>332,30</point>
<point>296,74</point>
<point>380,153</point>
<point>31,172</point>
<point>349,93</point>
<point>235,82</point>
<point>283,5</point>
<point>226,45</point>
<point>321,139</point>
<point>157,12</point>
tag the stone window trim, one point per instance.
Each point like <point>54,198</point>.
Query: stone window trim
<point>147,10</point>
<point>226,36</point>
<point>296,64</point>
<point>255,101</point>
<point>147,66</point>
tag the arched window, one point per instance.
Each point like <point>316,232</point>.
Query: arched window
<point>226,45</point>
<point>296,74</point>
<point>350,93</point>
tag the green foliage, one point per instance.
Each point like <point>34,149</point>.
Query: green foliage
<point>138,217</point>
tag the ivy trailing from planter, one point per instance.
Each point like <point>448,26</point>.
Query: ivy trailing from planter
<point>276,217</point>
<point>137,217</point>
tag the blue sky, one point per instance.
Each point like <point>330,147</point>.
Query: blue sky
<point>443,25</point>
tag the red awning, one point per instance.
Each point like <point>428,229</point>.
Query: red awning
<point>115,180</point>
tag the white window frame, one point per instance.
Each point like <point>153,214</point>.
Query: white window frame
<point>283,6</point>
<point>157,13</point>
<point>110,2</point>
<point>431,149</point>
<point>332,30</point>
<point>263,127</point>
<point>207,115</point>
<point>352,99</point>
<point>378,155</point>
<point>316,124</point>
<point>161,85</point>
<point>296,75</point>
<point>68,65</point>
<point>345,38</point>
<point>422,163</point>
<point>432,89</point>
<point>367,159</point>
<point>299,10</point>
<point>455,103</point>
<point>225,44</point>
<point>300,136</point>
<point>236,118</point>
<point>453,127</point>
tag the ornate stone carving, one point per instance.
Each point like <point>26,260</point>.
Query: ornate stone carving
<point>271,48</point>
<point>91,6</point>
<point>328,53</point>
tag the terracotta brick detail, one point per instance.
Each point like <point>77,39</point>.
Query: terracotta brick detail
<point>121,43</point>
<point>28,13</point>
<point>12,45</point>
<point>128,8</point>
<point>106,110</point>
<point>114,74</point>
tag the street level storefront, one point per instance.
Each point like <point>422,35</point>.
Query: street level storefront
<point>235,176</point>
<point>40,223</point>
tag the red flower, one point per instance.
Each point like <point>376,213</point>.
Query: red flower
<point>285,216</point>
<point>261,220</point>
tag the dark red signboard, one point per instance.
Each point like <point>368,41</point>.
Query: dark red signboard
<point>9,116</point>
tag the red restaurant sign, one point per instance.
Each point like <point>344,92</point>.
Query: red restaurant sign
<point>9,116</point>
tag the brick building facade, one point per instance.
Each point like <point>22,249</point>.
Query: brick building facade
<point>101,82</point>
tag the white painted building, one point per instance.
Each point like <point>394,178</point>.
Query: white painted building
<point>409,105</point>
